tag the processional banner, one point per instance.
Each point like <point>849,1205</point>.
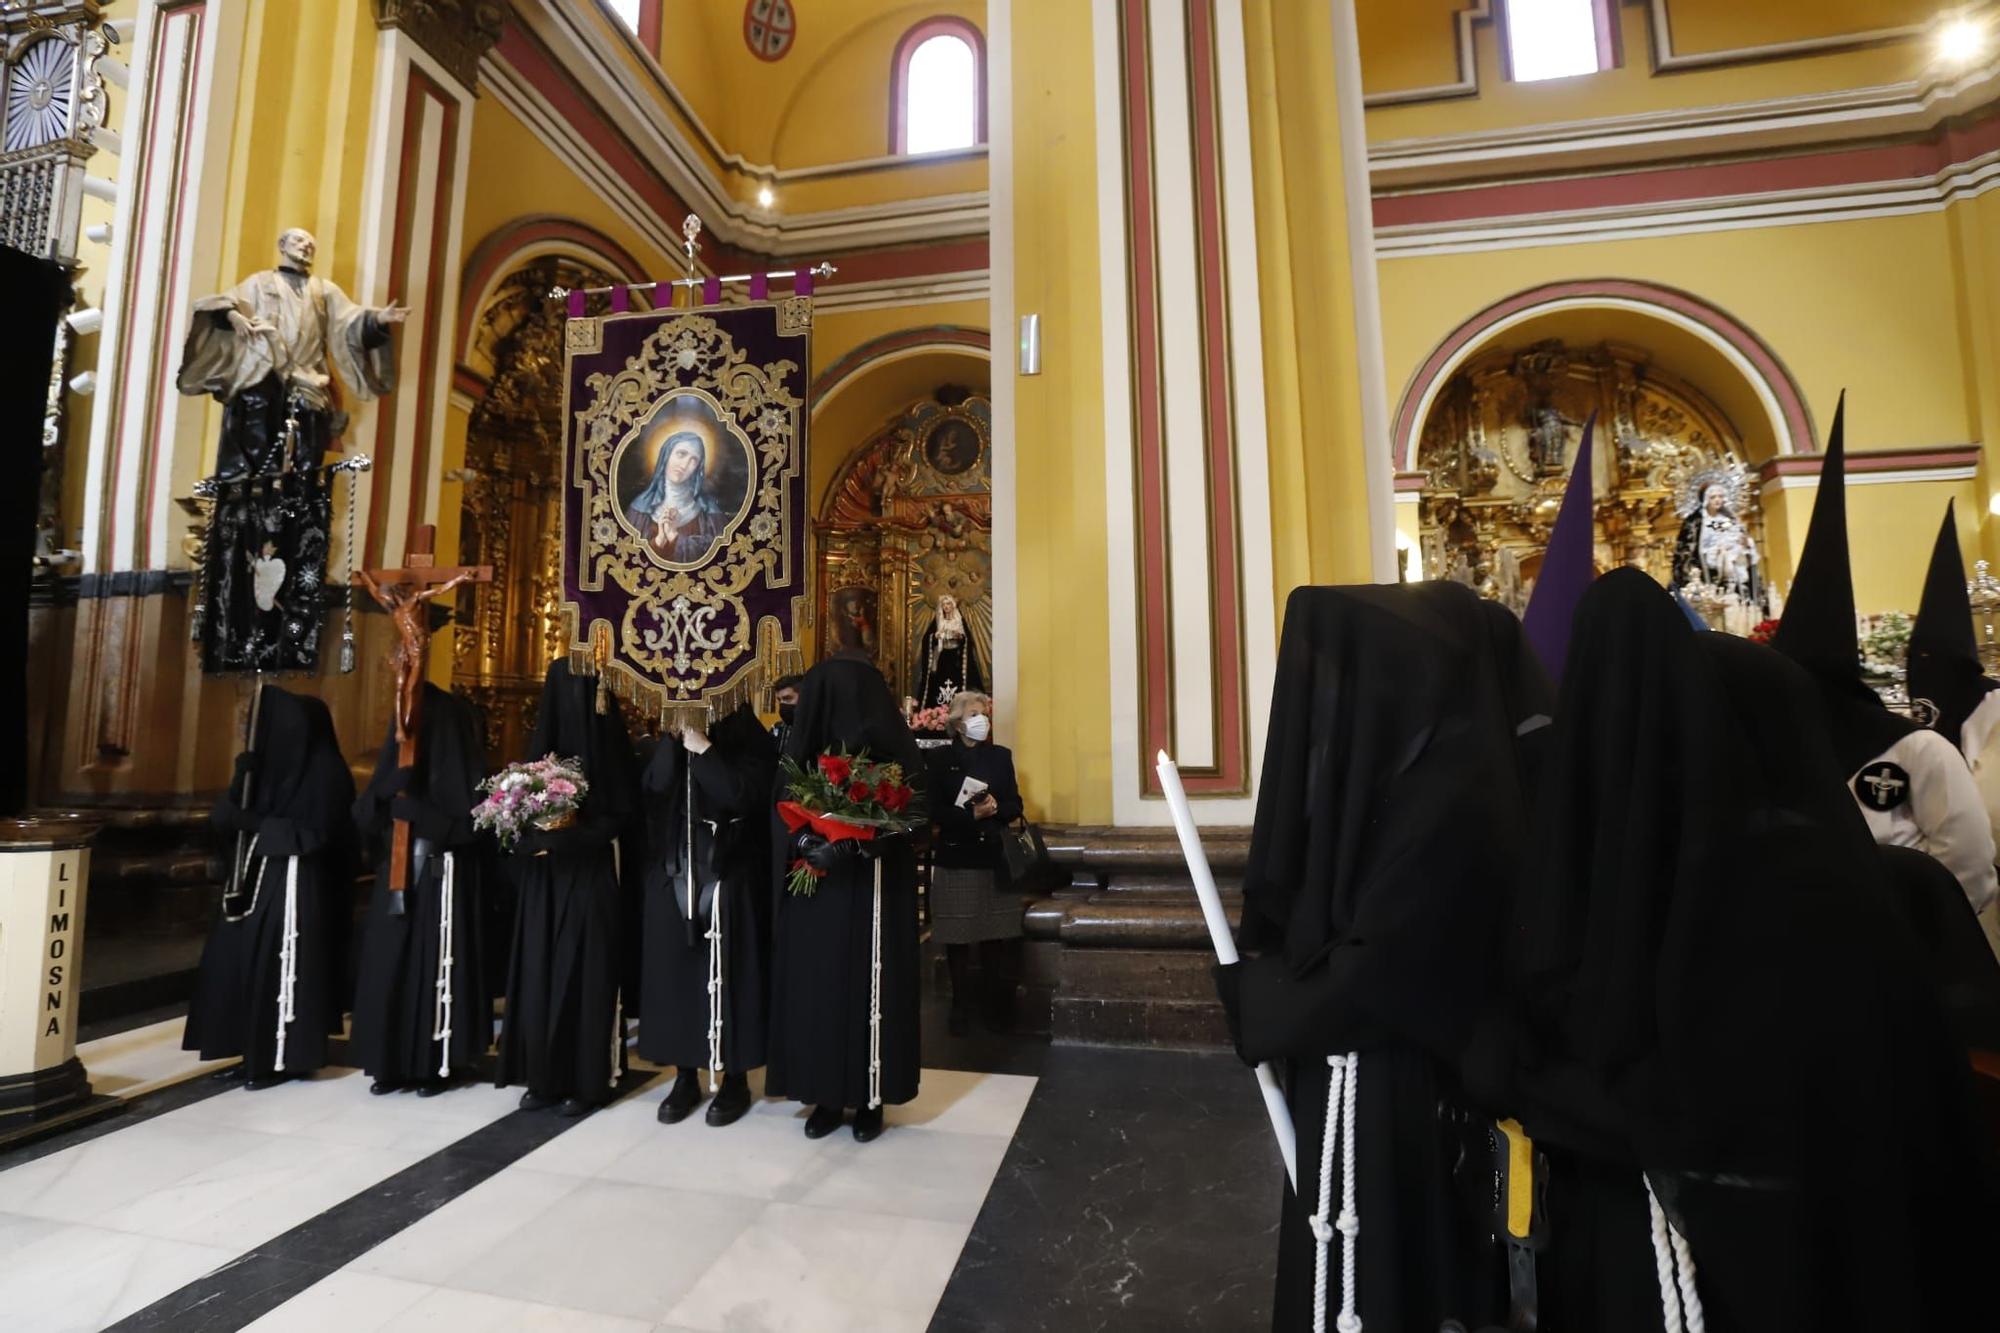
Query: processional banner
<point>684,566</point>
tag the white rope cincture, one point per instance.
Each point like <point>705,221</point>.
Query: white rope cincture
<point>1673,1265</point>
<point>715,983</point>
<point>617,1035</point>
<point>441,1010</point>
<point>288,959</point>
<point>1344,1077</point>
<point>875,1000</point>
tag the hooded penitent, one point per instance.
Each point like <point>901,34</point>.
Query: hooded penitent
<point>1391,823</point>
<point>821,960</point>
<point>1708,990</point>
<point>1568,566</point>
<point>564,978</point>
<point>1818,628</point>
<point>685,1023</point>
<point>1943,661</point>
<point>296,885</point>
<point>421,1007</point>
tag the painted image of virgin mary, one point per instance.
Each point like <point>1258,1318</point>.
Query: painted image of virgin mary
<point>675,514</point>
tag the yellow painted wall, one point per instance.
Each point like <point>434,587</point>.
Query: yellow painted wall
<point>1318,470</point>
<point>1390,64</point>
<point>1700,26</point>
<point>1062,724</point>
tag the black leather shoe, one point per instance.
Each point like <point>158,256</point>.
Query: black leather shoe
<point>382,1087</point>
<point>573,1107</point>
<point>867,1125</point>
<point>433,1087</point>
<point>732,1101</point>
<point>823,1121</point>
<point>229,1073</point>
<point>534,1101</point>
<point>682,1098</point>
<point>271,1080</point>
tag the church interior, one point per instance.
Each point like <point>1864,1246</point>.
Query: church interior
<point>411,385</point>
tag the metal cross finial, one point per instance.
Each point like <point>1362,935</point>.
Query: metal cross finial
<point>691,231</point>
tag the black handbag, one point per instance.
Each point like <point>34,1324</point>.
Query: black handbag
<point>1022,848</point>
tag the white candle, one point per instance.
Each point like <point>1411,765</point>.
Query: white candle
<point>1224,941</point>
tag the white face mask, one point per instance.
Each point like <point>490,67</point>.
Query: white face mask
<point>978,727</point>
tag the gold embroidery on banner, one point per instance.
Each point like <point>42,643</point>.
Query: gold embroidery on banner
<point>582,337</point>
<point>795,315</point>
<point>686,624</point>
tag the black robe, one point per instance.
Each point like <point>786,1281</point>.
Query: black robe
<point>1390,826</point>
<point>732,828</point>
<point>560,1032</point>
<point>1707,989</point>
<point>944,670</point>
<point>397,1011</point>
<point>822,942</point>
<point>298,844</point>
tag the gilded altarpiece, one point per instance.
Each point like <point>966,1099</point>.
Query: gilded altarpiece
<point>1500,439</point>
<point>909,520</point>
<point>506,634</point>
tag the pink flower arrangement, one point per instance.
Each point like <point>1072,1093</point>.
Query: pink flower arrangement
<point>926,720</point>
<point>543,793</point>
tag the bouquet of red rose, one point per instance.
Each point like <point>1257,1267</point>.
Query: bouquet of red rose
<point>843,798</point>
<point>1764,631</point>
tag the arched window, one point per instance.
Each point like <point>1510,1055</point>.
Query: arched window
<point>1558,39</point>
<point>642,17</point>
<point>937,88</point>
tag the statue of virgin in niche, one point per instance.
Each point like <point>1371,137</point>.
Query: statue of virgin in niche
<point>1714,548</point>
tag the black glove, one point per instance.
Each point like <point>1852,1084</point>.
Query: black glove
<point>826,856</point>
<point>247,762</point>
<point>1229,986</point>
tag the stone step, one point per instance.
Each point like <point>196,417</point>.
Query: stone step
<point>1114,851</point>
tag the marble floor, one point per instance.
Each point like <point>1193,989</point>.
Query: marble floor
<point>1028,1188</point>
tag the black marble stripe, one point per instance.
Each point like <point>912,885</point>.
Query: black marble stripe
<point>1140,1192</point>
<point>251,1286</point>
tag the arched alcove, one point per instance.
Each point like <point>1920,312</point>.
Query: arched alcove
<point>1684,401</point>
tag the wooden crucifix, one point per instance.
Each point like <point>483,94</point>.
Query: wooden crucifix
<point>405,594</point>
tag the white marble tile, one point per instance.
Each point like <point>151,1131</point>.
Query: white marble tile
<point>825,1270</point>
<point>459,1235</point>
<point>269,1187</point>
<point>609,1247</point>
<point>129,1064</point>
<point>84,1182</point>
<point>917,1173</point>
<point>344,1303</point>
<point>81,1278</point>
<point>336,1107</point>
<point>603,1138</point>
<point>958,1102</point>
<point>758,1157</point>
<point>463,1311</point>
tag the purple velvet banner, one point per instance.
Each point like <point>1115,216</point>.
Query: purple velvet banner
<point>684,502</point>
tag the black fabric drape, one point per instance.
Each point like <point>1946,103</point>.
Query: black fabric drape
<point>1706,985</point>
<point>300,796</point>
<point>395,1000</point>
<point>566,970</point>
<point>822,942</point>
<point>1943,662</point>
<point>732,781</point>
<point>37,294</point>
<point>1390,827</point>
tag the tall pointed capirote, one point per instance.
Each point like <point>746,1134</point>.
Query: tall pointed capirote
<point>1818,629</point>
<point>1943,662</point>
<point>1568,566</point>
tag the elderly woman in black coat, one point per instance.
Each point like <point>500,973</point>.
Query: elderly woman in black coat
<point>974,797</point>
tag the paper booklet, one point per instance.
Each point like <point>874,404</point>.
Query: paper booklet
<point>971,791</point>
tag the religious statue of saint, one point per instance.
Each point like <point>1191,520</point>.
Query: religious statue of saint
<point>267,350</point>
<point>1548,435</point>
<point>676,514</point>
<point>1715,548</point>
<point>949,661</point>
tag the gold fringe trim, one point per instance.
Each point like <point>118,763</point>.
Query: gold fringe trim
<point>650,705</point>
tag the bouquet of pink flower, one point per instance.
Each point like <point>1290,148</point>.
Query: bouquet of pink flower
<point>927,721</point>
<point>543,793</point>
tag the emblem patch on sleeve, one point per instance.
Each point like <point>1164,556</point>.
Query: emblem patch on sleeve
<point>1882,786</point>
